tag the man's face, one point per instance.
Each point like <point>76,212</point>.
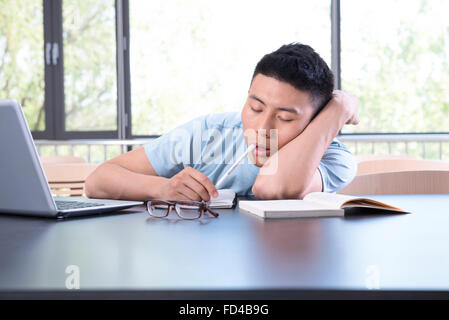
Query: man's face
<point>273,104</point>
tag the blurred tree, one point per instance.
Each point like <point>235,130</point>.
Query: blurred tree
<point>399,68</point>
<point>89,65</point>
<point>89,62</point>
<point>22,58</point>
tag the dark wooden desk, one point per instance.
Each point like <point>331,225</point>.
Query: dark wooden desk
<point>238,255</point>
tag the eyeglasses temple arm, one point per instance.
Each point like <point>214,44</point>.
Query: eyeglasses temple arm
<point>215,214</point>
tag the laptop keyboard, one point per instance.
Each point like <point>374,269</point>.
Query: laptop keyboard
<point>67,205</point>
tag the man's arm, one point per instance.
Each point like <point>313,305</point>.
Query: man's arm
<point>296,172</point>
<point>131,176</point>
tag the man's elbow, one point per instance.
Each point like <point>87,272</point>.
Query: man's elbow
<point>300,195</point>
<point>89,186</point>
<point>264,192</point>
<point>276,191</point>
<point>92,184</point>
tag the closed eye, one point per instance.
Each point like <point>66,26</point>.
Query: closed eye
<point>256,110</point>
<point>285,120</point>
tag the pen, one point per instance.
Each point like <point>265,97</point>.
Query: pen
<point>250,148</point>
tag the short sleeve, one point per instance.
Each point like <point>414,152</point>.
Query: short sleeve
<point>337,167</point>
<point>171,152</point>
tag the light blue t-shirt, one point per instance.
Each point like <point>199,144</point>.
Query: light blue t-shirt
<point>212,143</point>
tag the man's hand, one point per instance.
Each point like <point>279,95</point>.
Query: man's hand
<point>189,184</point>
<point>348,104</point>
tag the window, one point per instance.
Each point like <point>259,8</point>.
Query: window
<point>121,68</point>
<point>395,57</point>
<point>22,58</point>
<point>194,57</point>
<point>58,59</point>
<point>90,81</point>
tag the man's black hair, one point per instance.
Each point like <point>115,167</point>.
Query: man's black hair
<point>303,68</point>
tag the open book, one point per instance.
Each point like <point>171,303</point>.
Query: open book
<point>225,199</point>
<point>315,204</point>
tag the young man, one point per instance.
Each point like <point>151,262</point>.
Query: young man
<point>292,115</point>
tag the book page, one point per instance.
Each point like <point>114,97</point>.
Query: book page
<point>225,197</point>
<point>342,201</point>
<point>332,200</point>
<point>361,202</point>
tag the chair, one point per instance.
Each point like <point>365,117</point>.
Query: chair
<point>402,182</point>
<point>394,165</point>
<point>61,159</point>
<point>369,157</point>
<point>67,179</point>
<point>394,176</point>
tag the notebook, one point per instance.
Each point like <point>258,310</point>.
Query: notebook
<point>315,204</point>
<point>226,199</point>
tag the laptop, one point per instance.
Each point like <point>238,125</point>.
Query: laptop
<point>24,189</point>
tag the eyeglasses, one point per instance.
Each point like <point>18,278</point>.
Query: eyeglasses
<point>188,210</point>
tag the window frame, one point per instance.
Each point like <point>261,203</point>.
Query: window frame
<point>54,80</point>
<point>54,102</point>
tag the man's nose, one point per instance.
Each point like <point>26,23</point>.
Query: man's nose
<point>264,125</point>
